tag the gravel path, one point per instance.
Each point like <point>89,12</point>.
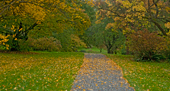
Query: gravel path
<point>99,73</point>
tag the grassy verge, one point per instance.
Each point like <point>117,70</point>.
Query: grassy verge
<point>41,71</point>
<point>91,50</point>
<point>144,76</point>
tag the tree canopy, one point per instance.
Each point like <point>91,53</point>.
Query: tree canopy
<point>133,15</point>
<point>19,17</point>
<point>70,24</point>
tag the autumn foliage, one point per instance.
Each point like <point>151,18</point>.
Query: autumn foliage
<point>19,17</point>
<point>44,44</point>
<point>135,14</point>
<point>76,42</point>
<point>3,40</point>
<point>144,44</point>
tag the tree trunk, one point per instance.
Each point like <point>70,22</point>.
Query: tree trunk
<point>15,46</point>
<point>100,50</point>
<point>160,28</point>
<point>115,52</point>
<point>127,50</point>
<point>109,50</point>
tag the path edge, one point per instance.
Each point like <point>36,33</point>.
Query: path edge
<point>121,72</point>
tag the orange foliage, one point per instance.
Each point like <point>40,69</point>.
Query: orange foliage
<point>145,44</point>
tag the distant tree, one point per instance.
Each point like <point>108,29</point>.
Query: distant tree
<point>101,36</point>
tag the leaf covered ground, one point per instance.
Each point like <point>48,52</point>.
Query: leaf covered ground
<point>144,76</point>
<point>41,71</point>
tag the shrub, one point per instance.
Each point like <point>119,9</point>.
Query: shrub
<point>145,45</point>
<point>76,42</point>
<point>23,45</point>
<point>42,44</point>
<point>158,57</point>
<point>167,52</point>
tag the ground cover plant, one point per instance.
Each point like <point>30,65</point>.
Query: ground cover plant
<point>144,76</point>
<point>39,71</point>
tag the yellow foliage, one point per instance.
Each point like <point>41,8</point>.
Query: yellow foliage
<point>38,11</point>
<point>168,9</point>
<point>167,25</point>
<point>90,2</point>
<point>3,40</point>
<point>98,22</point>
<point>109,25</point>
<point>4,26</point>
<point>109,4</point>
<point>13,27</point>
<point>76,41</point>
<point>139,8</point>
<point>116,18</point>
<point>20,29</point>
<point>128,31</point>
<point>125,13</point>
<point>126,4</point>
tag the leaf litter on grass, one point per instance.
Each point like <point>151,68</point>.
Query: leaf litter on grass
<point>144,76</point>
<point>18,72</point>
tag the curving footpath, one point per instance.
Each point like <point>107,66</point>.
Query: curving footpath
<point>99,73</point>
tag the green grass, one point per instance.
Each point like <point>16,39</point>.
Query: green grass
<point>92,50</point>
<point>144,76</point>
<point>41,71</point>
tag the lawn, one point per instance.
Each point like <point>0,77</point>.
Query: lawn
<point>39,71</point>
<point>92,50</point>
<point>144,76</point>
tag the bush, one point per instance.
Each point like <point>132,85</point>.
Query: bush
<point>76,42</point>
<point>158,57</point>
<point>167,52</point>
<point>69,41</point>
<point>23,45</point>
<point>146,45</point>
<point>44,44</point>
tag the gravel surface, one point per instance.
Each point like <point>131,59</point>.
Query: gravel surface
<point>99,73</point>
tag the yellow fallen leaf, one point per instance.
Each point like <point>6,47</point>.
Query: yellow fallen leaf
<point>96,85</point>
<point>15,88</point>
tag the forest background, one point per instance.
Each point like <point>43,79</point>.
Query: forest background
<point>137,27</point>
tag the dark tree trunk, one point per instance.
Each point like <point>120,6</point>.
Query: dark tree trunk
<point>15,46</point>
<point>109,50</point>
<point>115,52</point>
<point>127,50</point>
<point>21,35</point>
<point>100,50</point>
<point>160,28</point>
